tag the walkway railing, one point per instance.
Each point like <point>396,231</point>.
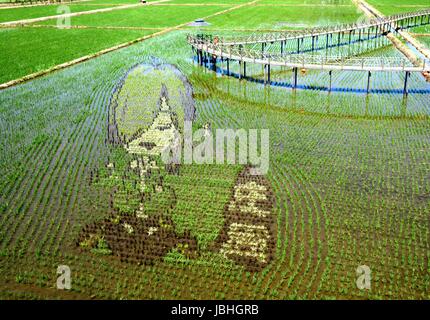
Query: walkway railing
<point>398,21</point>
<point>307,61</point>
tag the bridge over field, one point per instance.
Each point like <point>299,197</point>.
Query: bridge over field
<point>335,48</point>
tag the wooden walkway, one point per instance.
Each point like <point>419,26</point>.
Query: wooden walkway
<point>306,61</point>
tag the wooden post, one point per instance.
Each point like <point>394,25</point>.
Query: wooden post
<point>240,70</point>
<point>213,62</point>
<point>330,74</point>
<point>244,69</point>
<point>405,87</point>
<point>295,71</point>
<point>368,82</point>
<point>228,66</point>
<point>264,73</point>
<point>268,73</point>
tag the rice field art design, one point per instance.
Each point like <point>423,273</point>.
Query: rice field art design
<point>140,126</point>
<point>249,233</point>
<point>143,225</point>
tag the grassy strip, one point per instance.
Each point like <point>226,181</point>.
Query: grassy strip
<point>398,2</point>
<point>39,11</point>
<point>151,16</point>
<point>64,45</point>
<point>74,14</point>
<point>259,17</point>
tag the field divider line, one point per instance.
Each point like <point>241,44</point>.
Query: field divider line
<point>142,28</point>
<point>95,4</point>
<point>211,4</point>
<point>104,51</point>
<point>75,14</point>
<point>42,4</point>
<point>248,30</point>
<point>82,27</point>
<point>419,34</point>
<point>410,6</point>
<point>302,5</point>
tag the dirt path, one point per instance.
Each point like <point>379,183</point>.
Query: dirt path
<point>419,34</point>
<point>211,4</point>
<point>18,5</point>
<point>85,27</point>
<point>147,28</point>
<point>372,12</point>
<point>120,46</point>
<point>315,5</point>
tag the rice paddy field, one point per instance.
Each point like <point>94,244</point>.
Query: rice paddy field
<point>82,182</point>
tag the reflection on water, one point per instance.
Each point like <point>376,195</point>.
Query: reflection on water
<point>385,100</point>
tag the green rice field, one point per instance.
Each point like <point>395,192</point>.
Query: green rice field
<point>83,182</point>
